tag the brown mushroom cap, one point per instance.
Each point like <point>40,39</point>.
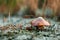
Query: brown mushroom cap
<point>40,22</point>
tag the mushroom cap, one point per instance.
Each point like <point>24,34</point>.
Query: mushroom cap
<point>40,22</point>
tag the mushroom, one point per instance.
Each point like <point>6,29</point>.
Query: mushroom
<point>43,22</point>
<point>40,23</point>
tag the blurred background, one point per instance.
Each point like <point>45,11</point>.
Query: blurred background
<point>30,8</point>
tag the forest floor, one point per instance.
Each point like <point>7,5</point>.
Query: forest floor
<point>33,35</point>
